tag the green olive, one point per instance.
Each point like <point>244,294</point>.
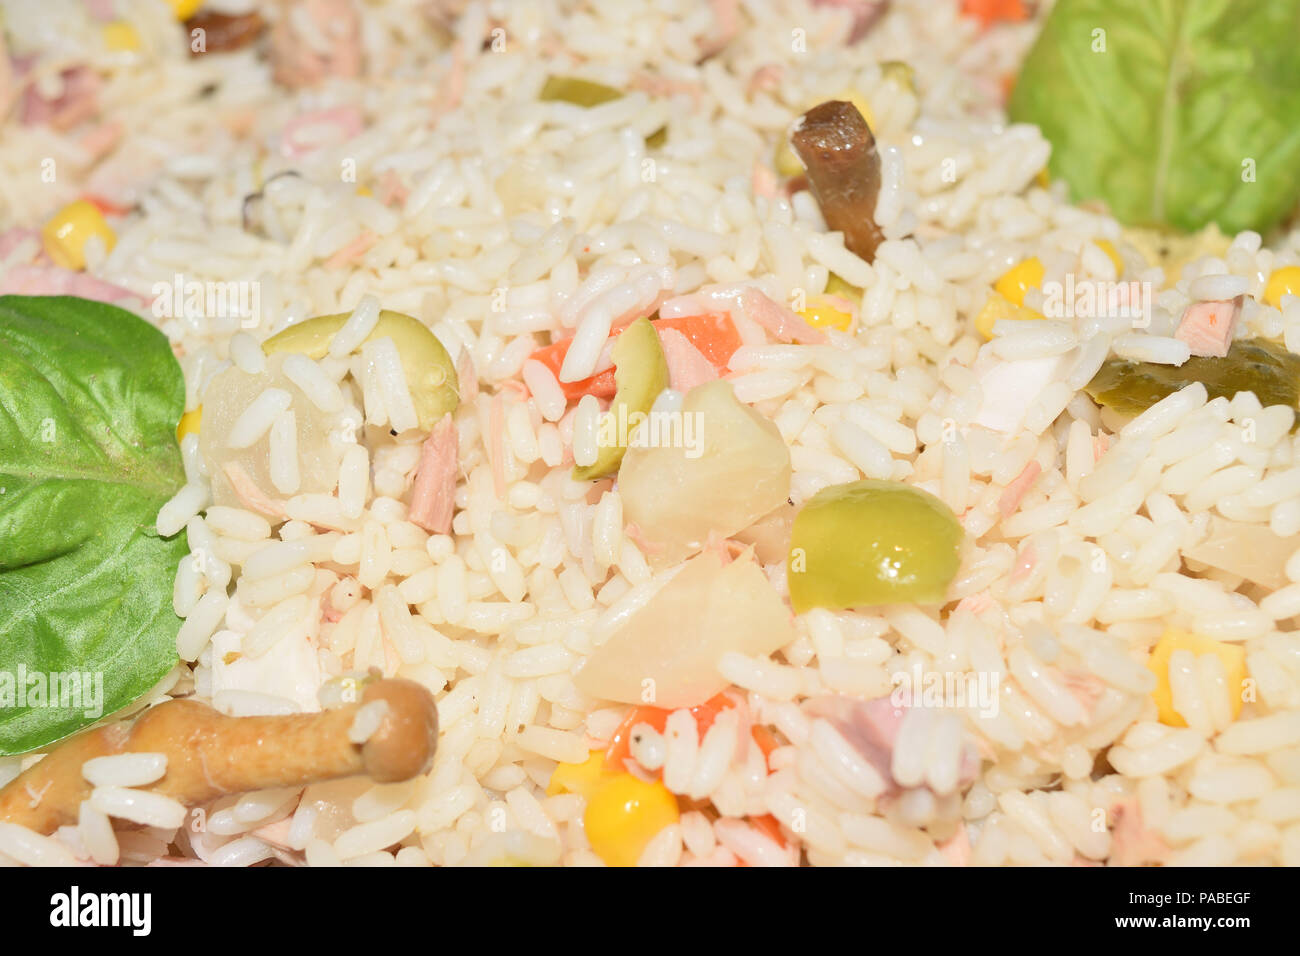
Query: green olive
<point>640,374</point>
<point>872,542</point>
<point>430,372</point>
<point>589,93</point>
<point>1251,365</point>
<point>576,90</point>
<point>899,73</point>
<point>837,286</point>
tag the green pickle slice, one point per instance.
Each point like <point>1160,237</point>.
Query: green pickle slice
<point>640,374</point>
<point>1251,365</point>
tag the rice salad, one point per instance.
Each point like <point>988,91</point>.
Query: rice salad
<point>906,556</point>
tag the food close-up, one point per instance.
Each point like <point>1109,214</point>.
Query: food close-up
<point>728,433</point>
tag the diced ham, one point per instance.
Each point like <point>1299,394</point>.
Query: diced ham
<point>310,131</point>
<point>870,726</point>
<point>763,181</point>
<point>102,10</point>
<point>1207,327</point>
<point>433,493</point>
<point>1015,492</point>
<point>298,55</point>
<point>655,84</point>
<point>76,102</point>
<point>766,77</point>
<point>957,849</point>
<point>12,239</point>
<point>687,366</point>
<point>726,24</point>
<point>784,324</point>
<point>864,13</point>
<point>51,280</point>
<point>100,140</point>
<point>353,250</point>
<point>252,497</point>
<point>466,376</point>
<point>1132,844</point>
<point>392,191</point>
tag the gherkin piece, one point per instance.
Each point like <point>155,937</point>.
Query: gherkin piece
<point>872,542</point>
<point>640,374</point>
<point>576,90</point>
<point>1251,365</point>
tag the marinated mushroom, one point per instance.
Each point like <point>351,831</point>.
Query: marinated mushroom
<point>210,755</point>
<point>838,151</point>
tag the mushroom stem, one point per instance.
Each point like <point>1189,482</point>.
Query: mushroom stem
<point>836,147</point>
<point>210,755</point>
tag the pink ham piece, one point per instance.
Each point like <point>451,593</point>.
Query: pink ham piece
<point>1207,326</point>
<point>298,60</point>
<point>11,239</point>
<point>327,128</point>
<point>1016,490</point>
<point>433,493</point>
<point>51,280</point>
<point>77,101</point>
<point>871,728</point>
<point>864,14</point>
<point>784,325</point>
<point>687,366</point>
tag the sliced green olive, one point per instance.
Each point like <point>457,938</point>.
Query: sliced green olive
<point>576,90</point>
<point>588,93</point>
<point>640,374</point>
<point>899,73</point>
<point>1251,365</point>
<point>872,542</point>
<point>430,372</point>
<point>838,287</point>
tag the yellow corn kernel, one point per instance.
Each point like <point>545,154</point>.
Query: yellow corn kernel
<point>66,233</point>
<point>364,191</point>
<point>821,314</point>
<point>1284,281</point>
<point>786,162</point>
<point>1019,279</point>
<point>189,423</point>
<point>579,778</point>
<point>120,36</point>
<point>184,9</point>
<point>1108,247</point>
<point>998,308</point>
<point>1043,178</point>
<point>624,814</point>
<point>1231,656</point>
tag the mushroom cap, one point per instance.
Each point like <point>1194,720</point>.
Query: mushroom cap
<point>404,744</point>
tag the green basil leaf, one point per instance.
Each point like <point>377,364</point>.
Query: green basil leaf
<point>89,399</point>
<point>1175,112</point>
